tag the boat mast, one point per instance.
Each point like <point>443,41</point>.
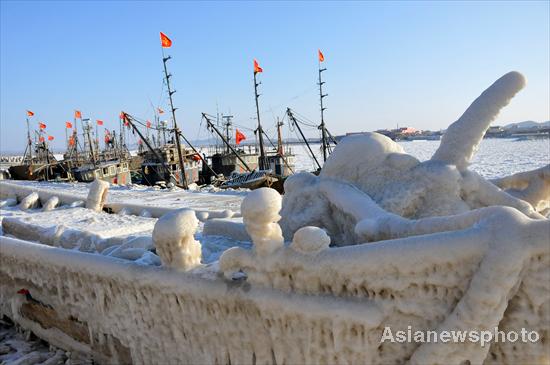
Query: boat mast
<point>87,127</point>
<point>261,163</point>
<point>227,124</point>
<point>321,96</point>
<point>279,138</point>
<point>29,141</point>
<point>177,132</point>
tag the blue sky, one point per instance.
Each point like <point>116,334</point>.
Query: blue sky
<point>408,63</point>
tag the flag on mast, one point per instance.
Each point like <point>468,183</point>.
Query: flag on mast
<point>77,114</point>
<point>99,122</point>
<point>68,125</point>
<point>29,113</point>
<point>257,67</point>
<point>160,110</point>
<point>41,125</point>
<point>165,42</point>
<point>239,137</point>
<point>321,56</point>
<point>148,124</point>
<point>50,138</point>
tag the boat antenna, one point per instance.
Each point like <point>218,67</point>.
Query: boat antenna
<point>321,97</point>
<point>167,43</point>
<point>262,162</point>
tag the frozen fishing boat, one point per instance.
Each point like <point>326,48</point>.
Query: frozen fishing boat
<point>38,162</point>
<point>252,171</point>
<point>114,172</point>
<point>111,165</point>
<point>161,165</point>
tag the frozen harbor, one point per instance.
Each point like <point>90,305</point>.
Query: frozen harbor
<point>379,239</point>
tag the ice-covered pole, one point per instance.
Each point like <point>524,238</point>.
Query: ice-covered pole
<point>260,210</point>
<point>97,195</point>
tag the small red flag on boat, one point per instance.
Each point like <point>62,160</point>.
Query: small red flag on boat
<point>77,114</point>
<point>71,141</point>
<point>165,41</point>
<point>321,56</point>
<point>257,67</point>
<point>121,115</point>
<point>40,139</point>
<point>126,123</point>
<point>50,138</point>
<point>160,111</point>
<point>99,122</point>
<point>239,137</point>
<point>68,125</point>
<point>41,125</point>
<point>148,124</point>
<point>29,113</point>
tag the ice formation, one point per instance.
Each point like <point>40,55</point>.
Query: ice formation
<point>429,245</point>
<point>369,180</point>
<point>30,201</point>
<point>97,195</point>
<point>260,210</point>
<point>310,240</point>
<point>174,241</point>
<point>50,204</point>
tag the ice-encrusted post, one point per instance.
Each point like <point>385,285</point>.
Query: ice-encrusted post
<point>50,204</point>
<point>260,211</point>
<point>174,241</point>
<point>30,201</point>
<point>97,195</point>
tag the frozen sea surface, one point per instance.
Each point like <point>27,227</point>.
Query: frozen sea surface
<point>495,157</point>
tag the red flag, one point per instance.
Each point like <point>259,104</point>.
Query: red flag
<point>68,125</point>
<point>40,139</point>
<point>107,138</point>
<point>77,114</point>
<point>71,141</point>
<point>50,138</point>
<point>121,116</point>
<point>257,67</point>
<point>126,123</point>
<point>41,125</point>
<point>160,111</point>
<point>99,122</point>
<point>239,137</point>
<point>321,56</point>
<point>148,124</point>
<point>165,42</point>
<point>29,113</point>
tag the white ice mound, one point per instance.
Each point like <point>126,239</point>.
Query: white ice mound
<point>174,241</point>
<point>310,240</point>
